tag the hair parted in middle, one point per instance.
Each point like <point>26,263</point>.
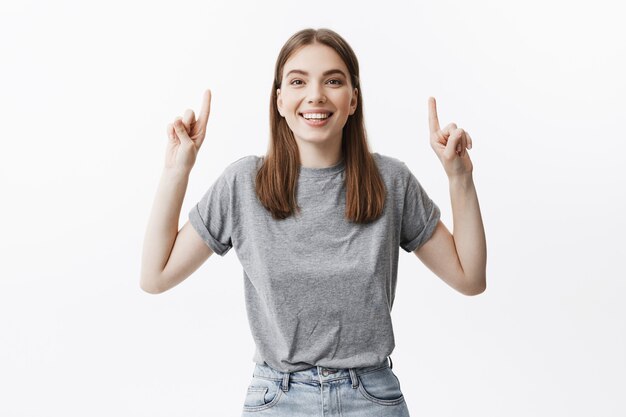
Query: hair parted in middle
<point>276,179</point>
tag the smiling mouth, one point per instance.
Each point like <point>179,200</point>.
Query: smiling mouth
<point>316,118</point>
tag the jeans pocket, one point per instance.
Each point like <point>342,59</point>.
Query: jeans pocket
<point>262,394</point>
<point>381,387</point>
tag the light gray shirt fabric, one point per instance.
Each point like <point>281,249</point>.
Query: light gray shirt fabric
<point>318,289</point>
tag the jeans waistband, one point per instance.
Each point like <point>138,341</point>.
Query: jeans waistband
<point>317,374</point>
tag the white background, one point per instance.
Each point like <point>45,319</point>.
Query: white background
<point>88,88</point>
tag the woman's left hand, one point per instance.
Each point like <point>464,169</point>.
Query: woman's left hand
<point>450,144</point>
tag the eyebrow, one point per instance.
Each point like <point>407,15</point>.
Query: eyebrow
<point>332,71</point>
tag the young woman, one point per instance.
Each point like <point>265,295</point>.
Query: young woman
<point>317,224</point>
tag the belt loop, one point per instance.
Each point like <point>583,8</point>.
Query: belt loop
<point>390,363</point>
<point>285,384</point>
<point>353,377</point>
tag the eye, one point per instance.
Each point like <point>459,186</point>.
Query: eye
<point>335,81</point>
<point>296,82</point>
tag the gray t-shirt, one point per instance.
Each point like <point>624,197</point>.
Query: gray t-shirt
<point>318,289</point>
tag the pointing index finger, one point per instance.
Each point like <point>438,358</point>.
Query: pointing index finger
<point>433,121</point>
<point>203,117</point>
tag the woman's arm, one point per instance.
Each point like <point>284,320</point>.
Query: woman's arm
<point>170,256</point>
<point>460,259</point>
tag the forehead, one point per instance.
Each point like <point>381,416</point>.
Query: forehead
<point>315,59</point>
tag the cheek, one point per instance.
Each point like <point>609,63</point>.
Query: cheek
<point>345,103</point>
<point>288,102</point>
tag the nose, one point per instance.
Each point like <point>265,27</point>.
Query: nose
<point>316,94</point>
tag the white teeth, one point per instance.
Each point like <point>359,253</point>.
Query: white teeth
<point>315,115</point>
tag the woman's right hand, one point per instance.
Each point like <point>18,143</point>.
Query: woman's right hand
<point>186,135</point>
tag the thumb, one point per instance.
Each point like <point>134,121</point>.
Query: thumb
<point>453,143</point>
<point>181,132</point>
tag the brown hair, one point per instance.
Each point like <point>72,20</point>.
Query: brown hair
<point>276,179</point>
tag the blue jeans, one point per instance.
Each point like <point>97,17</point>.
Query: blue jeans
<point>324,392</point>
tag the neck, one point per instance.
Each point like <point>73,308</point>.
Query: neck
<point>319,155</point>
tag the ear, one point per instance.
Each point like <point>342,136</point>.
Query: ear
<point>354,101</point>
<point>279,102</point>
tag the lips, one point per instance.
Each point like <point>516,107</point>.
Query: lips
<point>329,115</point>
<point>316,122</point>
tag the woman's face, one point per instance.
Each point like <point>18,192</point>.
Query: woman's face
<point>316,96</point>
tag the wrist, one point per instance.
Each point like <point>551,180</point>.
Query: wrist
<point>461,179</point>
<point>465,181</point>
<point>176,173</point>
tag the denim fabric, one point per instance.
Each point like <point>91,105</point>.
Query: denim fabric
<point>324,392</point>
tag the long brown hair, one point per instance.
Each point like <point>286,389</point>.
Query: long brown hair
<point>276,179</point>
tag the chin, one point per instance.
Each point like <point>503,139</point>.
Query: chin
<point>315,139</point>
